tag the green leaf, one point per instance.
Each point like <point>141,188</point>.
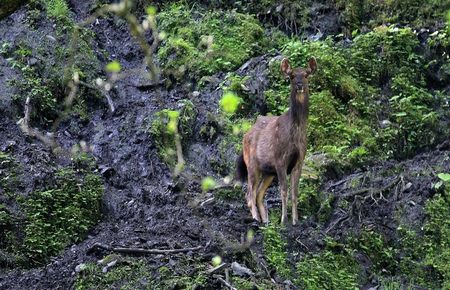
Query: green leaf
<point>444,177</point>
<point>208,183</point>
<point>113,67</point>
<point>151,10</point>
<point>229,102</point>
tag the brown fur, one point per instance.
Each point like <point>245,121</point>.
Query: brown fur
<point>277,146</point>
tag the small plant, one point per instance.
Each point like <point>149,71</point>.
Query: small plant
<point>168,125</point>
<point>57,9</point>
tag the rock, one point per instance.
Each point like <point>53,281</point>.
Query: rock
<point>240,270</point>
<point>385,123</point>
<point>80,267</point>
<point>109,265</point>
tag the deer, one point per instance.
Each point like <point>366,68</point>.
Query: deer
<point>276,146</point>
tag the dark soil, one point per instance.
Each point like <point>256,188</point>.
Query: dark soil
<point>144,207</point>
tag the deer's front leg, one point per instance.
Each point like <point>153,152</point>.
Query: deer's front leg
<point>295,178</point>
<point>282,179</point>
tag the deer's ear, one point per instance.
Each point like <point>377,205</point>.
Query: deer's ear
<point>286,67</point>
<point>312,66</point>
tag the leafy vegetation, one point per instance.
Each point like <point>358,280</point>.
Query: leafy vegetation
<point>53,217</point>
<point>356,14</point>
<point>123,273</point>
<point>381,92</point>
<point>328,270</point>
<point>201,45</point>
<point>346,105</point>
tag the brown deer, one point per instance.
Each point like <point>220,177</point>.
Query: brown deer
<point>276,145</point>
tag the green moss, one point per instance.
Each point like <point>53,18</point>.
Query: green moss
<point>312,201</point>
<point>229,194</point>
<point>60,215</point>
<point>127,273</point>
<point>275,246</point>
<point>251,284</point>
<point>328,270</point>
<point>189,274</point>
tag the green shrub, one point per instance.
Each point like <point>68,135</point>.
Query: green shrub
<point>376,248</point>
<point>426,253</point>
<point>414,118</point>
<point>379,55</point>
<point>199,45</point>
<point>358,13</point>
<point>334,71</point>
<point>57,9</point>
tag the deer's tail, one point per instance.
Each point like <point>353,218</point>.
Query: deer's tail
<point>241,169</point>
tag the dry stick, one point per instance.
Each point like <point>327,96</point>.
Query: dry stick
<point>224,282</point>
<point>147,251</point>
<point>105,94</point>
<point>23,123</point>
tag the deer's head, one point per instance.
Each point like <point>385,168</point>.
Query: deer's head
<point>299,76</point>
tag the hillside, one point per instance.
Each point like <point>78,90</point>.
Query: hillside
<point>120,125</point>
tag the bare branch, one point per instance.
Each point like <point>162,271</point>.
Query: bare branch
<point>142,251</point>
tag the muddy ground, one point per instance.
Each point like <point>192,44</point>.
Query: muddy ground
<point>144,207</point>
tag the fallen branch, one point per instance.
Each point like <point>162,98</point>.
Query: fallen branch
<point>142,251</point>
<point>224,282</point>
<point>345,217</point>
<point>372,190</point>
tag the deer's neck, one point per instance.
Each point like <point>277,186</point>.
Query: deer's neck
<point>298,111</point>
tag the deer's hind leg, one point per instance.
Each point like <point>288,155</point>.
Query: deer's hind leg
<point>265,183</point>
<point>254,180</point>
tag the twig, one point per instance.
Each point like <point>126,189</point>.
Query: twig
<point>300,242</point>
<point>337,222</point>
<point>143,251</point>
<point>105,94</point>
<point>23,123</point>
<point>224,282</point>
<point>216,269</point>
